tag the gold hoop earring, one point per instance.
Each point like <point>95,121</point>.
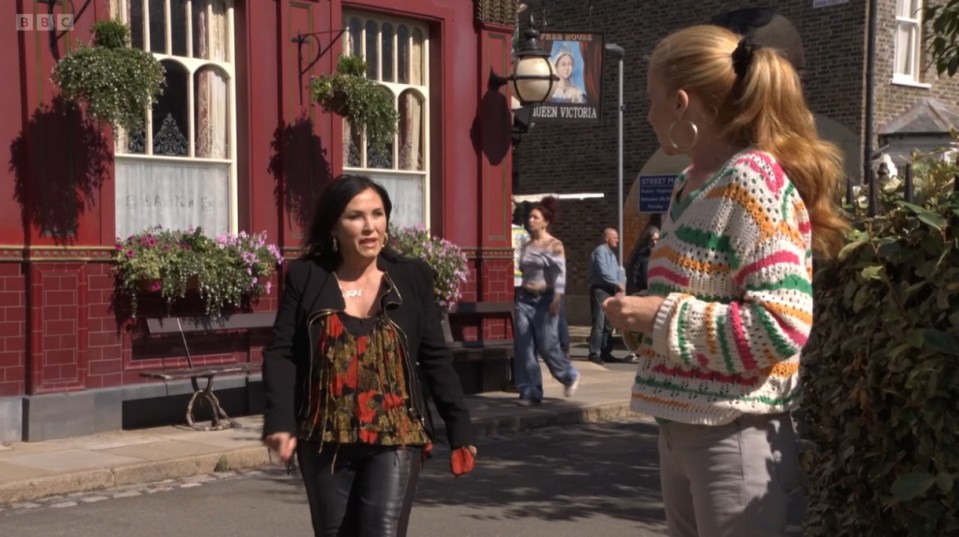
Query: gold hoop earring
<point>386,239</point>
<point>336,245</point>
<point>674,145</point>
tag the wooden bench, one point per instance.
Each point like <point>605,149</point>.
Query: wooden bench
<point>185,325</point>
<point>482,365</point>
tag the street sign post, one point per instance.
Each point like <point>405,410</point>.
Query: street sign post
<point>654,193</point>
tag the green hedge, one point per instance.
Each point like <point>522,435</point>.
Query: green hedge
<point>881,372</point>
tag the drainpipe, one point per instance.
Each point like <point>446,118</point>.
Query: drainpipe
<point>870,102</point>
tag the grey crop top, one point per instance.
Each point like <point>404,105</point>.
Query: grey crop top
<point>543,266</point>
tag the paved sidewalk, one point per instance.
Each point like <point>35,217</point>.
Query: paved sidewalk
<point>31,470</point>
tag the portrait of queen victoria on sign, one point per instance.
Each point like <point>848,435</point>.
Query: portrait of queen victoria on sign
<point>569,69</point>
<point>577,62</point>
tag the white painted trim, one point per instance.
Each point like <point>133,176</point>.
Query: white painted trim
<point>232,114</point>
<point>533,198</point>
<point>164,158</point>
<point>903,80</point>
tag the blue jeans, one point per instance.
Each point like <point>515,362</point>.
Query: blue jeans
<point>536,331</point>
<point>601,334</point>
<point>563,327</point>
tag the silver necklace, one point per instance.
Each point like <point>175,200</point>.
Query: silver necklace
<point>347,293</point>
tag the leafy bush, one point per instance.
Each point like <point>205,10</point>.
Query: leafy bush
<point>445,258</point>
<point>226,271</point>
<point>364,103</point>
<point>117,83</point>
<point>881,377</point>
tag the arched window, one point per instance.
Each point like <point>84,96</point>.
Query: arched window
<point>180,171</point>
<point>397,56</point>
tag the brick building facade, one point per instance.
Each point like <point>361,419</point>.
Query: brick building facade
<point>562,158</point>
<point>70,362</point>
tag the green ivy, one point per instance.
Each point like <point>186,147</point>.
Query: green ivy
<point>117,83</point>
<point>364,103</point>
<point>881,370</point>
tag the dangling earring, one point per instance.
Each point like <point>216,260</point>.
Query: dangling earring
<point>386,239</point>
<point>674,145</point>
<point>336,245</point>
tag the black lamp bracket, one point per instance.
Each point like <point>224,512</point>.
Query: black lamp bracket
<point>300,40</point>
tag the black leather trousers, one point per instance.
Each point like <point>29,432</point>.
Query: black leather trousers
<point>368,493</point>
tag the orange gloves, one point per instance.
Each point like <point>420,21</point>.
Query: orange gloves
<point>462,460</point>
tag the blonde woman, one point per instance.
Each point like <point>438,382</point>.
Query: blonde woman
<point>730,294</point>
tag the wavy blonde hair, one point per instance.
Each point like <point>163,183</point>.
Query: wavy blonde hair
<point>764,108</point>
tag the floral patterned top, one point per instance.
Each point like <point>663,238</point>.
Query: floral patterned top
<point>358,385</point>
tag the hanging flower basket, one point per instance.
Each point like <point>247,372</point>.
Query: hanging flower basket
<point>368,106</point>
<point>446,259</point>
<point>118,84</point>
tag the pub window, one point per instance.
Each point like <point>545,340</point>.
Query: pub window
<point>397,56</point>
<point>180,171</point>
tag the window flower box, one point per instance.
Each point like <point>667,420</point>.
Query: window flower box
<point>227,271</point>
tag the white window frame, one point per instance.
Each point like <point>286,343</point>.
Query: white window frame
<point>397,89</point>
<point>192,65</point>
<point>912,23</point>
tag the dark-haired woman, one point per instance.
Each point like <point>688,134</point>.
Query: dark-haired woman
<point>340,375</point>
<point>638,265</point>
<point>538,303</point>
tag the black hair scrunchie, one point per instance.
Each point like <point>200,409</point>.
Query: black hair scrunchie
<point>743,56</point>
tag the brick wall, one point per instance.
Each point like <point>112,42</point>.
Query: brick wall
<point>80,337</point>
<point>894,99</point>
<point>12,330</point>
<point>495,272</point>
<point>58,331</point>
<point>104,340</point>
<point>562,158</point>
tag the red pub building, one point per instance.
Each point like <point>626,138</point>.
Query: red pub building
<point>234,144</point>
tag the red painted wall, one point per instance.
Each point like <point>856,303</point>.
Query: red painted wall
<point>59,330</point>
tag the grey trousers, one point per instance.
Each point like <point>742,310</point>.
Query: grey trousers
<point>734,480</point>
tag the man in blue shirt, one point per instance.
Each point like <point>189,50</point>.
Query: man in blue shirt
<point>605,279</point>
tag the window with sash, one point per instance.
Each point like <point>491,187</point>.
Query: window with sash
<point>397,56</point>
<point>908,41</point>
<point>180,171</point>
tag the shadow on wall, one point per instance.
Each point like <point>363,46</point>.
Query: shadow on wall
<point>60,161</point>
<point>491,132</point>
<point>300,169</point>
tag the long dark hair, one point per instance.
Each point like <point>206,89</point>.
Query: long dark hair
<point>328,210</point>
<point>549,208</point>
<point>644,241</point>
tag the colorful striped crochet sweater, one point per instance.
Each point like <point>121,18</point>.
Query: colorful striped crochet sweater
<point>734,263</point>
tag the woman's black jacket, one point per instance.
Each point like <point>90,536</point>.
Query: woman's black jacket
<point>310,291</point>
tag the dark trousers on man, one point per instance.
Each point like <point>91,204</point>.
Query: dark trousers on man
<point>601,333</point>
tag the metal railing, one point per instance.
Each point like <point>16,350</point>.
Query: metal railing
<point>873,184</point>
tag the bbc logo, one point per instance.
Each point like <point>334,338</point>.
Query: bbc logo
<point>27,22</point>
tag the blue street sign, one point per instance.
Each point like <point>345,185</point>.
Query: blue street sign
<point>654,193</point>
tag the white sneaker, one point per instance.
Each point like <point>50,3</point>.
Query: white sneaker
<point>570,389</point>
